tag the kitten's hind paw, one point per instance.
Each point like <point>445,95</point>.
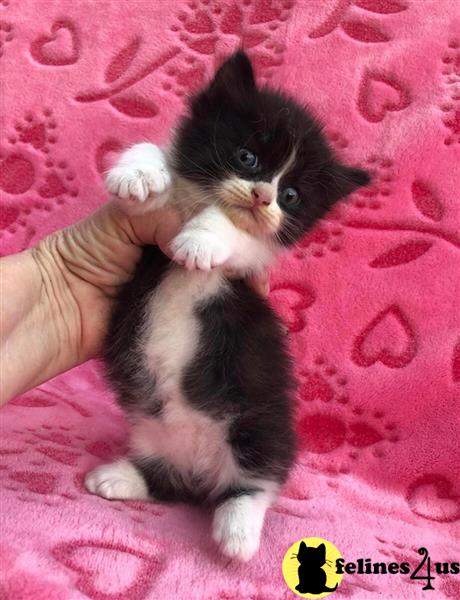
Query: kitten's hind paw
<point>236,531</point>
<point>117,481</point>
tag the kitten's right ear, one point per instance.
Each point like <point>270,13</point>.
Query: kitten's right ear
<point>235,75</point>
<point>302,546</point>
<point>234,81</point>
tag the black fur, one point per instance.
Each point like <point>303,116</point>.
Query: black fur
<point>242,369</point>
<point>123,350</point>
<point>233,113</point>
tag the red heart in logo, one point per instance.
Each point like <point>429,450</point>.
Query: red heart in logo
<point>388,338</point>
<point>95,562</point>
<point>290,301</point>
<point>431,497</point>
<point>379,94</point>
<point>60,48</point>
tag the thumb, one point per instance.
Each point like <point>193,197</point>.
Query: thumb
<point>154,228</point>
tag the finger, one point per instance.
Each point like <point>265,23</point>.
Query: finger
<point>158,227</point>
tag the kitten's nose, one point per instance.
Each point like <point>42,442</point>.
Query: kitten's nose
<point>262,194</point>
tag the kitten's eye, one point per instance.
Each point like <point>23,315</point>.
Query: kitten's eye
<point>290,197</point>
<point>247,158</point>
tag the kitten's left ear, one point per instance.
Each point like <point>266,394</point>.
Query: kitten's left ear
<point>342,180</point>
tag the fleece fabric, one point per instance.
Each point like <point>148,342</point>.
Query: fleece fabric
<point>371,297</point>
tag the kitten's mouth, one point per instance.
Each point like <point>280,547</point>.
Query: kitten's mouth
<point>255,219</point>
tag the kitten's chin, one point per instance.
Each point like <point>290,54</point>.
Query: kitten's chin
<point>255,221</point>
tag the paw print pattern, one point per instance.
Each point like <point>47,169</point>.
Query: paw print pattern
<point>37,131</point>
<point>29,163</point>
<point>324,238</point>
<point>184,74</point>
<point>212,29</point>
<point>373,197</point>
<point>328,420</point>
<point>451,79</point>
<point>6,35</point>
<point>323,383</point>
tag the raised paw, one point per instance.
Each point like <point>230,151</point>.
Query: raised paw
<point>197,249</point>
<point>141,174</point>
<point>137,183</point>
<point>117,481</point>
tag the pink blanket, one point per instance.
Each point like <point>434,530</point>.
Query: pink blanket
<point>371,298</point>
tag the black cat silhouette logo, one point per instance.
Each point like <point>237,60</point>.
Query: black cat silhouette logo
<point>309,568</point>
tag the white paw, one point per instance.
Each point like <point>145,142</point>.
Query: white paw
<point>117,481</point>
<point>197,249</point>
<point>236,532</point>
<point>138,182</point>
<point>140,177</point>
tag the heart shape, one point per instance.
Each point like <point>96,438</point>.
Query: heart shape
<point>388,338</point>
<point>58,49</point>
<point>431,497</point>
<point>290,301</point>
<point>95,562</point>
<point>380,94</point>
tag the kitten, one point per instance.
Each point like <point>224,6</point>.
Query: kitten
<point>198,360</point>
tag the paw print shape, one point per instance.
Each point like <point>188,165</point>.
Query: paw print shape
<point>325,237</point>
<point>328,419</point>
<point>209,29</point>
<point>372,197</point>
<point>451,107</point>
<point>6,35</point>
<point>38,131</point>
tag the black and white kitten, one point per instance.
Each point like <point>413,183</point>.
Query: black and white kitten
<point>198,360</point>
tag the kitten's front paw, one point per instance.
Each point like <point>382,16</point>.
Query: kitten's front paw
<point>199,250</point>
<point>137,182</point>
<point>140,178</point>
<point>117,481</point>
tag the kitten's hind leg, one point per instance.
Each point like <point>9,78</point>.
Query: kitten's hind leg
<point>119,480</point>
<point>140,179</point>
<point>238,522</point>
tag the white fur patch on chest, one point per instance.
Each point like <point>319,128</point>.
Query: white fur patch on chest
<point>188,439</point>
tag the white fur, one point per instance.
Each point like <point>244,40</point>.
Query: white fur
<point>140,180</point>
<point>238,522</point>
<point>186,438</point>
<point>119,480</point>
<point>210,239</point>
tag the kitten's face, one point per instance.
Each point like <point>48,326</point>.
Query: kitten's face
<point>260,156</point>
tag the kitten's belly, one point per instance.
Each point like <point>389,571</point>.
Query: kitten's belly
<point>193,442</point>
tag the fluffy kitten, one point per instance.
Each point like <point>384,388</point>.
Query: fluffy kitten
<point>198,360</point>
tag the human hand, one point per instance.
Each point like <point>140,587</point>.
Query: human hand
<point>57,297</point>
